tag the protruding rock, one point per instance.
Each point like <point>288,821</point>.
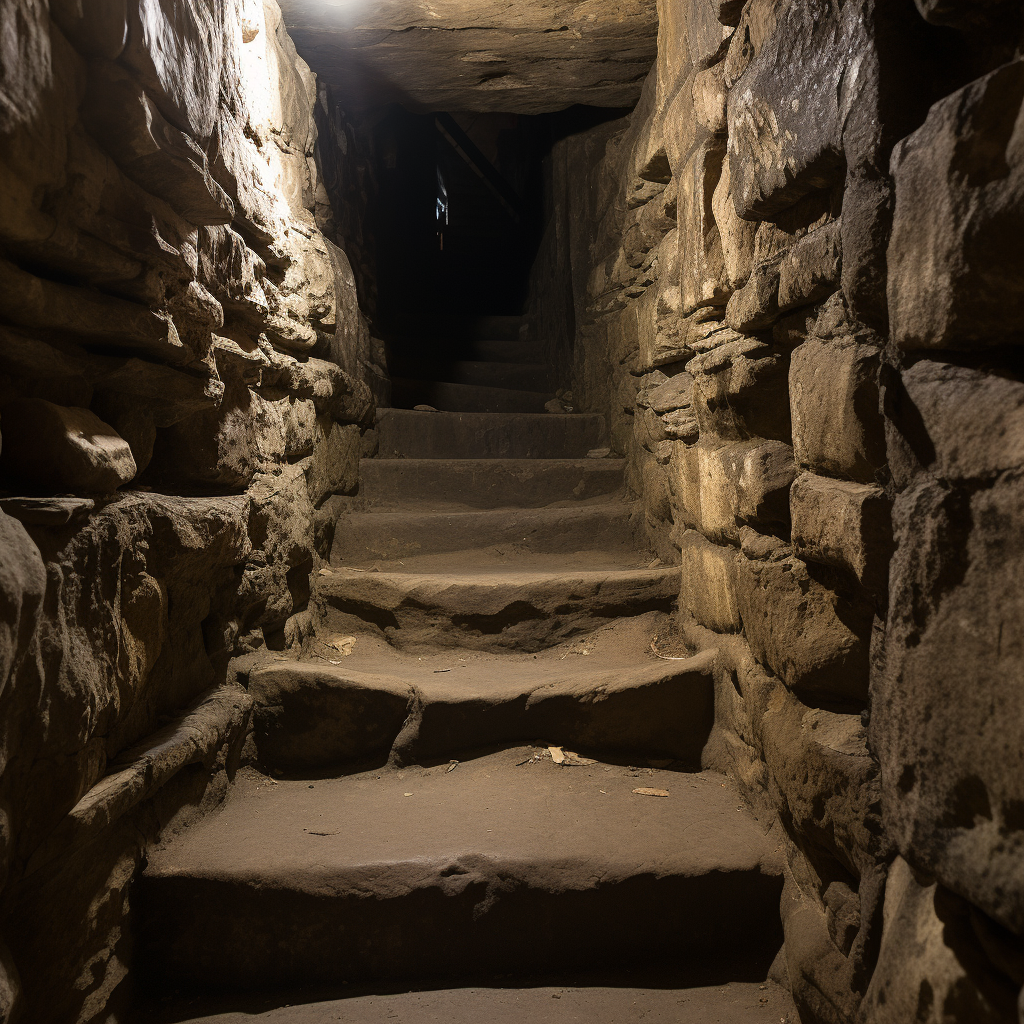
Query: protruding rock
<point>63,449</point>
<point>844,524</point>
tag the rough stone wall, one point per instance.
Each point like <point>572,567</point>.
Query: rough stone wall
<point>797,279</point>
<point>185,379</point>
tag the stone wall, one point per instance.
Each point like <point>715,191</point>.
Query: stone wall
<point>797,285</point>
<point>185,378</point>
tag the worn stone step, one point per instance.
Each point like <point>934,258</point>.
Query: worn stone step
<point>424,708</point>
<point>367,537</point>
<point>486,435</point>
<point>506,864</point>
<point>488,483</point>
<point>492,607</point>
<point>657,995</point>
<point>407,393</point>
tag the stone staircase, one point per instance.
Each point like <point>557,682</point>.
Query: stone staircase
<point>459,779</point>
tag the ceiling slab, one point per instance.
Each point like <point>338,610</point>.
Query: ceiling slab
<point>517,56</point>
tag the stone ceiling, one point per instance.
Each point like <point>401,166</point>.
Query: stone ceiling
<point>519,56</point>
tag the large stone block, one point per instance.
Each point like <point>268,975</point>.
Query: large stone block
<point>660,331</point>
<point>709,99</point>
<point>684,485</point>
<point>811,269</point>
<point>238,166</point>
<point>743,483</point>
<point>26,69</point>
<point>821,777</point>
<point>812,636</point>
<point>755,306</point>
<point>955,422</point>
<point>837,426</point>
<point>56,448</point>
<point>719,488</point>
<point>844,524</point>
<point>948,690</point>
<point>956,268</point>
<point>672,403</point>
<point>703,279</point>
<point>276,581</point>
<point>740,390</point>
<point>785,112</point>
<point>820,977</point>
<point>648,430</point>
<point>708,582</point>
<point>737,237</point>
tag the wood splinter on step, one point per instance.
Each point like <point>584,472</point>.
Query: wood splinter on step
<point>645,791</point>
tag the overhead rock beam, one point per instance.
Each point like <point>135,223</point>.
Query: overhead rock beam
<point>529,57</point>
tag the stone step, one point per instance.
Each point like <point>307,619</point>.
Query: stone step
<point>366,537</point>
<point>657,995</point>
<point>409,434</point>
<point>407,393</point>
<point>506,864</point>
<point>313,714</point>
<point>498,351</point>
<point>486,607</point>
<point>488,483</point>
<point>514,376</point>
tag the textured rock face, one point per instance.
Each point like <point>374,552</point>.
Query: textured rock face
<point>839,289</point>
<point>527,57</point>
<point>178,318</point>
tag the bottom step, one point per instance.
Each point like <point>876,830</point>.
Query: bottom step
<point>662,998</point>
<point>507,863</point>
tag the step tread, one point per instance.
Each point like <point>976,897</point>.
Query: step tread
<point>604,692</point>
<point>662,999</point>
<point>552,827</point>
<point>472,675</point>
<point>441,872</point>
